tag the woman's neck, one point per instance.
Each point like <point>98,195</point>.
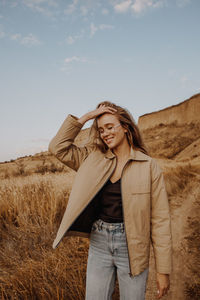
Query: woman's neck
<point>122,151</point>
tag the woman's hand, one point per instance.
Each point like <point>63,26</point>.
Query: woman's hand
<point>163,284</point>
<point>96,112</point>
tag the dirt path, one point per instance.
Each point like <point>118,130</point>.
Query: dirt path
<point>181,208</point>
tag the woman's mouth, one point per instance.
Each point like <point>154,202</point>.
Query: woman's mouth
<point>109,140</point>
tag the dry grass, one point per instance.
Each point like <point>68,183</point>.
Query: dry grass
<point>33,196</point>
<point>31,210</point>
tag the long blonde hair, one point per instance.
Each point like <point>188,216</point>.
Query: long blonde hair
<point>127,121</point>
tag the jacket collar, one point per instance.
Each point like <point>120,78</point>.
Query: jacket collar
<point>134,155</point>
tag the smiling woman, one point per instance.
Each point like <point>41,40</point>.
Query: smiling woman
<point>118,200</point>
<point>111,122</point>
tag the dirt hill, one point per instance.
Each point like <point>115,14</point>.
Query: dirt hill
<point>182,113</point>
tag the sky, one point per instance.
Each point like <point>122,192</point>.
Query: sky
<point>64,57</point>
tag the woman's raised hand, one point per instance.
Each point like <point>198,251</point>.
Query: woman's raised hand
<point>96,112</point>
<point>100,110</point>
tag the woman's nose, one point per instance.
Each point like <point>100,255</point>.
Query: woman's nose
<point>105,133</point>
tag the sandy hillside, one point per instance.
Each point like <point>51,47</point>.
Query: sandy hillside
<point>33,195</point>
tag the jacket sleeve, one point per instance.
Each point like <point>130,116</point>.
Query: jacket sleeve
<point>62,144</point>
<point>161,236</point>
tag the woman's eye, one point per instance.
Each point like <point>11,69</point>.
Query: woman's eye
<point>109,128</point>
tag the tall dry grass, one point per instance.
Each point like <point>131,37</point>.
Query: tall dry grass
<point>31,208</point>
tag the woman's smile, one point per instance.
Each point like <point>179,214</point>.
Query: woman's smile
<point>108,140</point>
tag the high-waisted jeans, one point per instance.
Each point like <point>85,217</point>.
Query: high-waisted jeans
<point>108,256</point>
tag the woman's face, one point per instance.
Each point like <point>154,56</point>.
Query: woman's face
<point>111,131</point>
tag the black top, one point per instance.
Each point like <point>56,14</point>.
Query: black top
<point>110,202</point>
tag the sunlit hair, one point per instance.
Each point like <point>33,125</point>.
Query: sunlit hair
<point>126,119</point>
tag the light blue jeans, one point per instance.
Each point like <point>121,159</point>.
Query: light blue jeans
<point>108,256</point>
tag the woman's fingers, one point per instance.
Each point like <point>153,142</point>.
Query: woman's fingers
<point>100,110</point>
<point>104,108</point>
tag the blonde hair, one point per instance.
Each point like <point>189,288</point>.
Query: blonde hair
<point>127,121</point>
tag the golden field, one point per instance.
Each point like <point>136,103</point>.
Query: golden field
<point>33,195</point>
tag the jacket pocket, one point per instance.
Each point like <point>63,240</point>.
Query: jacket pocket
<point>140,189</point>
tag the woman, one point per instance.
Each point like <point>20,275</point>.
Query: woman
<point>118,200</point>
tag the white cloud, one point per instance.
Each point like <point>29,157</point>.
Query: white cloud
<point>40,2</point>
<point>71,7</point>
<point>69,61</point>
<point>141,5</point>
<point>137,6</point>
<point>105,26</point>
<point>123,6</point>
<point>94,29</point>
<point>15,37</point>
<point>72,39</point>
<point>74,59</point>
<point>42,6</point>
<point>30,40</point>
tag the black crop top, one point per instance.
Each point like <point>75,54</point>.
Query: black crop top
<point>110,202</point>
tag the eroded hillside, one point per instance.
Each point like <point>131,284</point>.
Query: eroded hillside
<point>183,113</point>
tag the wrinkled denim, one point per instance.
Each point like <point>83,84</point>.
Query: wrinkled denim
<point>108,257</point>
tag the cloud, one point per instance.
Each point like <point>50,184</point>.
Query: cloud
<point>15,37</point>
<point>140,6</point>
<point>105,26</point>
<point>137,6</point>
<point>72,39</point>
<point>69,62</point>
<point>29,40</point>
<point>71,7</point>
<point>123,6</point>
<point>94,29</point>
<point>42,6</point>
<point>74,58</point>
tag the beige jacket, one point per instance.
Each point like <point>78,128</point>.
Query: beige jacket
<point>145,203</point>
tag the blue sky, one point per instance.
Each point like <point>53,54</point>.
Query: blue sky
<point>64,57</point>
